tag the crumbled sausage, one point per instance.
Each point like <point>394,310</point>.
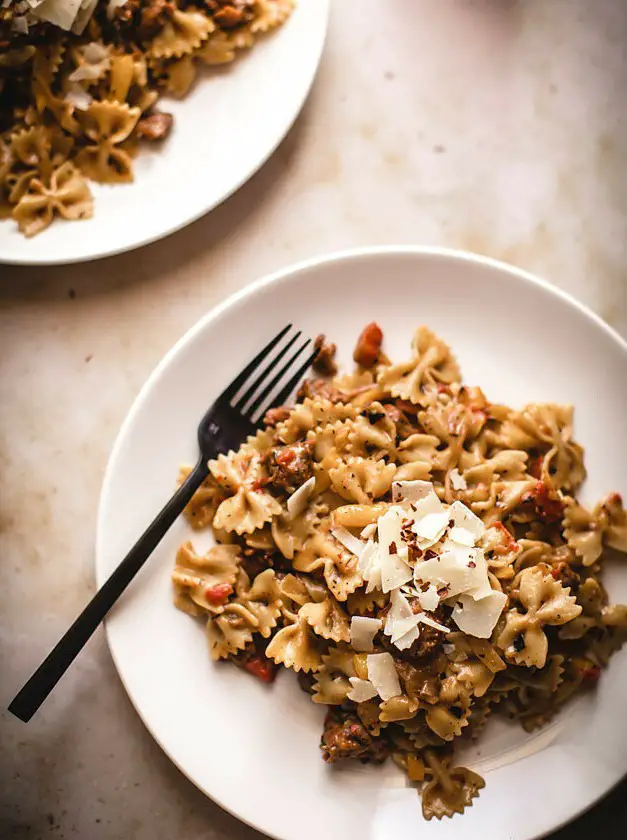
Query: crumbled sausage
<point>324,363</point>
<point>312,388</point>
<point>368,345</point>
<point>228,17</point>
<point>155,126</point>
<point>256,560</point>
<point>290,466</point>
<point>345,736</point>
<point>273,416</point>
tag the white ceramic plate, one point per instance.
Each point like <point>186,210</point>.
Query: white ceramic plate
<point>224,130</point>
<point>253,748</point>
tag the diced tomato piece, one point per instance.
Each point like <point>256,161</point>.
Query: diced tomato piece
<point>547,505</point>
<point>286,456</point>
<point>262,668</point>
<point>591,674</point>
<point>218,594</point>
<point>368,345</point>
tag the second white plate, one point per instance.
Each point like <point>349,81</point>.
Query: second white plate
<point>224,130</point>
<point>253,748</point>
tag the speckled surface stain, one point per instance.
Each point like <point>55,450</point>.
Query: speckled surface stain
<point>499,126</point>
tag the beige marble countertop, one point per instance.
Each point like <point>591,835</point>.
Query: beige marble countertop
<point>496,126</point>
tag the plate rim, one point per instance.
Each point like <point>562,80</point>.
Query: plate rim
<point>250,290</point>
<point>325,9</point>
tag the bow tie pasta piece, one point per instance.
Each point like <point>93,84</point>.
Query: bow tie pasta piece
<point>546,602</point>
<point>270,14</point>
<point>249,506</point>
<point>362,480</point>
<point>296,647</point>
<point>417,380</point>
<point>181,35</point>
<point>66,194</point>
<point>332,680</point>
<point>449,791</point>
<point>204,583</point>
<point>327,619</point>
<point>338,565</point>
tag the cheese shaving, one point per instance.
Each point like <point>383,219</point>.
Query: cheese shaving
<point>410,491</point>
<point>363,631</point>
<point>297,502</point>
<point>351,543</point>
<point>361,690</point>
<point>458,482</point>
<point>382,674</point>
<point>463,517</point>
<point>479,617</point>
<point>430,528</point>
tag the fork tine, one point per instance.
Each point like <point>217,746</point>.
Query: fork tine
<point>250,392</point>
<point>293,382</point>
<point>275,380</point>
<point>239,380</point>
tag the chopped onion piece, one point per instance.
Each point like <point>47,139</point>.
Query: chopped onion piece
<point>382,674</point>
<point>363,631</point>
<point>297,502</point>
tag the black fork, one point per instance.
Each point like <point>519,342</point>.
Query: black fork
<point>227,423</point>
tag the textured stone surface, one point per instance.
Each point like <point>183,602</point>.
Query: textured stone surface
<point>494,125</point>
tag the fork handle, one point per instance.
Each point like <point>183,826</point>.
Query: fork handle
<point>39,686</point>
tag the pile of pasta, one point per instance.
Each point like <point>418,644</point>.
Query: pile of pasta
<point>74,108</point>
<point>288,582</point>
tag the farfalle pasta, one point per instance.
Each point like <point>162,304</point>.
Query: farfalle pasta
<point>415,553</point>
<point>76,106</point>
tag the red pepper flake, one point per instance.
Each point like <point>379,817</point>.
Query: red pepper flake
<point>262,668</point>
<point>393,549</point>
<point>430,554</point>
<point>218,594</point>
<point>472,564</point>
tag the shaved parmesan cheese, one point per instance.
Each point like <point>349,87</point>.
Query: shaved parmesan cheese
<point>430,599</point>
<point>463,517</point>
<point>430,528</point>
<point>478,618</point>
<point>344,536</point>
<point>297,502</point>
<point>404,626</point>
<point>369,531</point>
<point>458,482</point>
<point>408,639</point>
<point>369,567</point>
<point>392,550</point>
<point>400,610</point>
<point>61,13</point>
<point>423,618</point>
<point>95,62</point>
<point>363,631</point>
<point>460,568</point>
<point>78,97</point>
<point>410,491</point>
<point>462,536</point>
<point>83,15</point>
<point>430,504</point>
<point>382,674</point>
<point>361,690</point>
